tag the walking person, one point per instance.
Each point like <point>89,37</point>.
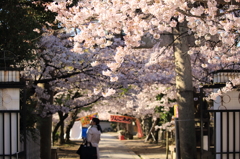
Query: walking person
<point>94,134</point>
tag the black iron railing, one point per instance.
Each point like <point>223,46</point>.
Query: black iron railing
<point>224,142</point>
<point>9,133</point>
<point>10,146</point>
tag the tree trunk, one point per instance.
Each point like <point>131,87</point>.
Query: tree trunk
<point>146,125</point>
<point>184,92</point>
<point>151,133</point>
<point>61,136</point>
<point>57,127</point>
<point>118,126</point>
<point>130,131</point>
<point>45,128</point>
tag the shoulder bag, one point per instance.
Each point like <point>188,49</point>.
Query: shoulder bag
<point>87,151</point>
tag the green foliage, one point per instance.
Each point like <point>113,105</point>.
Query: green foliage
<point>159,96</point>
<point>74,3</point>
<point>113,126</point>
<point>57,136</point>
<point>164,116</point>
<point>62,98</point>
<point>125,90</point>
<point>86,108</point>
<point>18,19</point>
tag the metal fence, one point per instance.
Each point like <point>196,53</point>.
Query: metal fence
<point>10,134</point>
<point>223,139</point>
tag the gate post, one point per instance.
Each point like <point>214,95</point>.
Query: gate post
<point>10,85</point>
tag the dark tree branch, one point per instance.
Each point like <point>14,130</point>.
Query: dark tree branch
<point>85,105</point>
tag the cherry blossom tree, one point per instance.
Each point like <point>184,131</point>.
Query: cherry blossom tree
<point>213,24</point>
<point>95,61</point>
<point>62,70</point>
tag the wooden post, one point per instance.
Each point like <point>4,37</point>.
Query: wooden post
<point>167,146</point>
<point>151,130</point>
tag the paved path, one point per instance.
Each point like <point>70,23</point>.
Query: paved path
<point>110,147</point>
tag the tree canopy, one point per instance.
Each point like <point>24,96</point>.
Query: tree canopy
<point>95,49</point>
<point>21,22</point>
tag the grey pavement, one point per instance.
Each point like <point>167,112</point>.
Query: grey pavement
<point>110,147</point>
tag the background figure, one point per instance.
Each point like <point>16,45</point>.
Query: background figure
<point>94,134</point>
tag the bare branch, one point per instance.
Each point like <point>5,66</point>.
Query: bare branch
<point>85,105</point>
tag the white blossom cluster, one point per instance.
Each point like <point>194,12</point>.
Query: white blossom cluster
<point>104,62</point>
